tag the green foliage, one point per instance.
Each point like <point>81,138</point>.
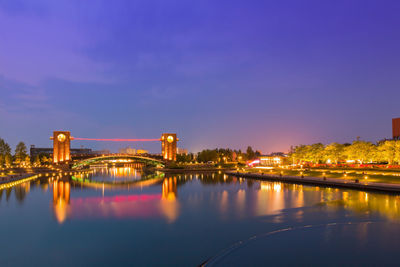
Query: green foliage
<point>185,158</point>
<point>250,153</point>
<point>5,153</point>
<point>208,155</point>
<point>334,152</point>
<point>37,161</point>
<point>223,155</point>
<point>21,152</point>
<point>359,151</point>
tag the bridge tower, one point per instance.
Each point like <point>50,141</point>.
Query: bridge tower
<point>61,146</point>
<point>168,146</point>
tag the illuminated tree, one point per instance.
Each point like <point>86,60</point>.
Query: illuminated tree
<point>37,161</point>
<point>334,152</point>
<point>360,151</point>
<point>387,151</point>
<point>5,152</point>
<point>21,152</point>
<point>8,160</point>
<point>397,154</point>
<point>300,153</point>
<point>316,152</point>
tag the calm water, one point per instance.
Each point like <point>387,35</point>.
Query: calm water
<point>121,216</point>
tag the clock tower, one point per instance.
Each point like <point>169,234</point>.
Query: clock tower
<point>61,146</point>
<point>168,146</point>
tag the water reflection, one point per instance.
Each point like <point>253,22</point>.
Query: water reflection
<point>124,205</point>
<point>126,172</point>
<point>61,199</point>
<point>169,201</point>
<point>155,195</point>
<point>197,215</point>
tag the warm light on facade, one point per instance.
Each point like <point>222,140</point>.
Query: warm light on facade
<point>61,146</point>
<point>169,146</point>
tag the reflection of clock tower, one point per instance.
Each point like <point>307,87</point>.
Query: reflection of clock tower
<point>168,146</point>
<point>61,146</point>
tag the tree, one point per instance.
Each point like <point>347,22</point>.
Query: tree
<point>8,159</point>
<point>184,157</point>
<point>207,155</point>
<point>361,151</point>
<point>298,153</point>
<point>5,152</point>
<point>37,161</point>
<point>317,152</point>
<point>334,152</point>
<point>21,152</point>
<point>250,153</point>
<point>387,151</point>
<point>397,154</point>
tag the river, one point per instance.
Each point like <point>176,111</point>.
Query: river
<point>125,216</point>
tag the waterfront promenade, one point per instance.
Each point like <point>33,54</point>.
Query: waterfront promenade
<point>22,177</point>
<point>318,181</point>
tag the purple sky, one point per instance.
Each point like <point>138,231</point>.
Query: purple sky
<point>219,73</point>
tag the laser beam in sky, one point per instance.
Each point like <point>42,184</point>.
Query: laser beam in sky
<point>116,139</point>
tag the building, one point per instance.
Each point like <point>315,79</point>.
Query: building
<point>181,151</point>
<point>168,146</point>
<point>61,146</point>
<point>396,128</point>
<point>101,152</point>
<point>273,159</point>
<point>37,151</point>
<point>128,150</point>
<point>142,151</point>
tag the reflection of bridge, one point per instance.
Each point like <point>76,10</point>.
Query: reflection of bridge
<point>126,206</point>
<point>120,158</point>
<point>80,179</point>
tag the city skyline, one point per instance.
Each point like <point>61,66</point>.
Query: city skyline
<point>268,75</point>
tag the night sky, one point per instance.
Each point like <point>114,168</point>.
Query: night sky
<point>269,74</point>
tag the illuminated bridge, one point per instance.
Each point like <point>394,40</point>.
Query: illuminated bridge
<point>62,149</point>
<point>118,157</point>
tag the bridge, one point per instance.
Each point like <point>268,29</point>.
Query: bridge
<point>62,147</point>
<point>118,157</point>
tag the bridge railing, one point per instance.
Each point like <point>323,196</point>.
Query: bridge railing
<point>148,160</point>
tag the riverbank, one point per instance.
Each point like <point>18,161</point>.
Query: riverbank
<point>195,170</point>
<point>15,179</point>
<point>326,182</point>
<point>7,182</point>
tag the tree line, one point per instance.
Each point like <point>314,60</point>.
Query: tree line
<point>386,151</point>
<point>20,155</point>
<point>219,155</point>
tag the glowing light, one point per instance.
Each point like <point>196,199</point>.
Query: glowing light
<point>254,162</point>
<point>61,137</point>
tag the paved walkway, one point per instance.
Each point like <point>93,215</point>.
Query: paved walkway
<point>329,182</point>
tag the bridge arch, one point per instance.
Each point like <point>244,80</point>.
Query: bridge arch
<point>146,160</point>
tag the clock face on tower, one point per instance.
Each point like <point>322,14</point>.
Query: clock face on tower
<point>170,139</point>
<point>61,137</point>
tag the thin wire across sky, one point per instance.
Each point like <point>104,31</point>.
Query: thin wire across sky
<point>116,139</point>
